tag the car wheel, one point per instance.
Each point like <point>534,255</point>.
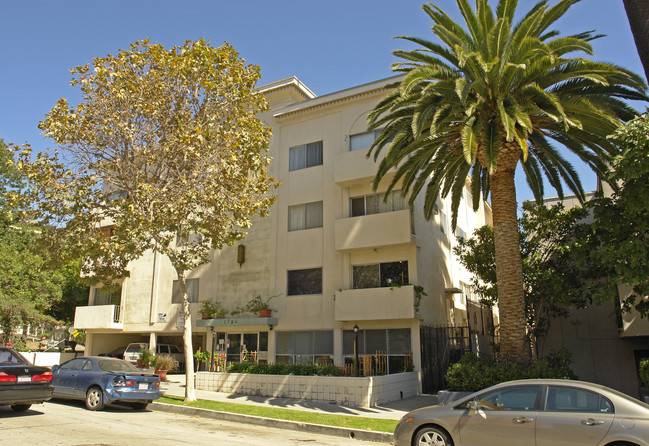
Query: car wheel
<point>21,407</point>
<point>139,406</point>
<point>94,399</point>
<point>432,436</point>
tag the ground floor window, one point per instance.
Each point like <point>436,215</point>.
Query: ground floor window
<point>238,347</point>
<point>384,350</point>
<point>304,347</point>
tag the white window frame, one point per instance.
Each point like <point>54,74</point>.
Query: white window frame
<point>305,216</point>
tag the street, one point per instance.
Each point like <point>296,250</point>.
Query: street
<point>69,423</point>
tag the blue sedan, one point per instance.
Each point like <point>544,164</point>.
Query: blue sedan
<point>99,381</point>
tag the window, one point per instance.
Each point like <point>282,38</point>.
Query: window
<point>363,140</point>
<point>107,296</point>
<point>305,347</point>
<point>306,155</point>
<point>509,398</point>
<point>192,291</point>
<point>305,216</point>
<point>377,203</point>
<point>569,399</point>
<point>394,343</point>
<point>380,275</point>
<point>444,222</point>
<point>304,281</point>
<point>459,232</point>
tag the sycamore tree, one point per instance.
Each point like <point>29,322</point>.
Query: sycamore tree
<point>619,236</point>
<point>555,277</point>
<point>164,153</point>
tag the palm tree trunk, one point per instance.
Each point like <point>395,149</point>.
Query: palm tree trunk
<point>637,12</point>
<point>509,268</point>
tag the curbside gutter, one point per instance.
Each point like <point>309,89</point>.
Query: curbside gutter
<point>379,437</point>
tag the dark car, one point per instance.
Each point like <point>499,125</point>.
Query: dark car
<point>115,353</point>
<point>101,380</point>
<point>539,412</point>
<point>21,383</point>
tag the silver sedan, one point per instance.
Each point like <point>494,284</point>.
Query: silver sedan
<point>536,412</point>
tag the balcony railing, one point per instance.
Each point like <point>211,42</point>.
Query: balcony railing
<point>375,304</point>
<point>373,231</point>
<point>98,316</point>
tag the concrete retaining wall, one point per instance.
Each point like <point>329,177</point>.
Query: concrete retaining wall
<point>361,392</point>
<point>48,359</point>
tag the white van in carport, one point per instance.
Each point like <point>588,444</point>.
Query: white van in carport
<point>132,352</point>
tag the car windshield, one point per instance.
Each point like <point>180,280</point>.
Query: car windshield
<point>9,357</point>
<point>117,365</point>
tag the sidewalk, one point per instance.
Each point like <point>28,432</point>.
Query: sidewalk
<point>175,386</point>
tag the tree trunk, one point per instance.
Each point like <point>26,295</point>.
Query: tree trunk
<point>637,11</point>
<point>509,268</point>
<point>190,393</point>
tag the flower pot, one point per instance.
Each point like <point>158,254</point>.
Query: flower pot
<point>206,316</point>
<point>265,313</point>
<point>140,364</point>
<point>162,374</point>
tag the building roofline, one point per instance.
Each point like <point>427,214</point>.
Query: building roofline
<point>289,82</point>
<point>336,98</point>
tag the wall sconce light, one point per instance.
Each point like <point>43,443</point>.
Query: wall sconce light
<point>241,255</point>
<point>270,327</point>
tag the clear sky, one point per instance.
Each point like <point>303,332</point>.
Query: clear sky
<point>329,45</point>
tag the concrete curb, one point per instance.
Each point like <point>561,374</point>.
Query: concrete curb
<point>379,437</point>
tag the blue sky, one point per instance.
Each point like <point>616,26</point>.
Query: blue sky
<point>329,45</point>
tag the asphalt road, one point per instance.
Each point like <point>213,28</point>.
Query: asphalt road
<point>69,423</point>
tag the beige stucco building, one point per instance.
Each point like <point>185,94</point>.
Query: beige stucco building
<point>332,250</point>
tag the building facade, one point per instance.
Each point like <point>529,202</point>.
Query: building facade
<point>333,251</point>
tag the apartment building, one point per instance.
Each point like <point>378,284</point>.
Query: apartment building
<point>333,251</point>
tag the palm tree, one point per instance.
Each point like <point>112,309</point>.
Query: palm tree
<point>637,11</point>
<point>495,93</point>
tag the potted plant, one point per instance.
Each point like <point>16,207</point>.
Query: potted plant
<point>202,357</point>
<point>212,309</point>
<point>146,359</point>
<point>164,364</point>
<point>260,305</point>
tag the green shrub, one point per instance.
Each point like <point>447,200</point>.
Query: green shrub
<point>644,371</point>
<point>284,369</point>
<point>472,373</point>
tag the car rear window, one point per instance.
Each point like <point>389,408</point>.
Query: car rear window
<point>9,357</point>
<point>117,365</point>
<point>134,348</point>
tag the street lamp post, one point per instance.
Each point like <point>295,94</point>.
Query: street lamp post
<point>355,350</point>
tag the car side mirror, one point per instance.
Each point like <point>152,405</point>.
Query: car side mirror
<point>473,405</point>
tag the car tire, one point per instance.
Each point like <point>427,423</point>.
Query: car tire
<point>432,436</point>
<point>139,406</point>
<point>21,407</point>
<point>94,398</point>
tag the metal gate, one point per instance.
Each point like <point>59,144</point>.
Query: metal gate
<point>441,347</point>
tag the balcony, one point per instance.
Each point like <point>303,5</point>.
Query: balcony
<point>354,168</point>
<point>98,316</point>
<point>370,304</point>
<point>373,231</point>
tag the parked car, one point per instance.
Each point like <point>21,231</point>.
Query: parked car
<point>21,383</point>
<point>115,353</point>
<point>531,412</point>
<point>101,380</point>
<point>132,352</point>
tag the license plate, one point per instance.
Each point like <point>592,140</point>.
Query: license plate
<point>143,386</point>
<point>24,379</point>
